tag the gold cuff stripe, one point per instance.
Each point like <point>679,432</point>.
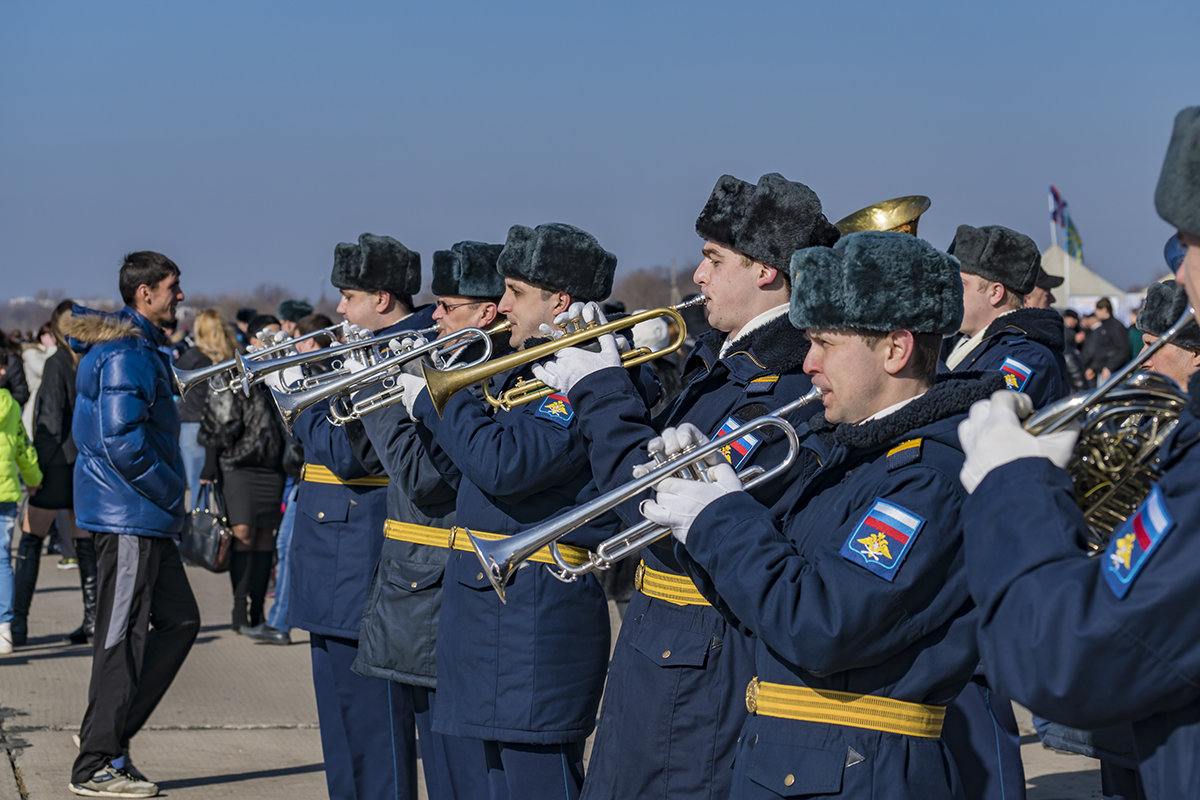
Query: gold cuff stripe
<point>315,473</point>
<point>844,708</point>
<point>677,589</point>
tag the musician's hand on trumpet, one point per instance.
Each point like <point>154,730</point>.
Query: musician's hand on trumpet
<point>572,364</point>
<point>678,501</point>
<point>992,435</point>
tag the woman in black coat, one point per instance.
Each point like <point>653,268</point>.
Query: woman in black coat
<point>244,444</point>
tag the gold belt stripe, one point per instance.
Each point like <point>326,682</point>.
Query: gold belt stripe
<point>677,589</point>
<point>844,708</point>
<point>315,473</point>
<point>451,538</point>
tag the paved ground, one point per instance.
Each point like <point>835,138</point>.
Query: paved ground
<point>240,720</point>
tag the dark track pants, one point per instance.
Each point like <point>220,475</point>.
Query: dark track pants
<point>366,726</point>
<point>146,621</point>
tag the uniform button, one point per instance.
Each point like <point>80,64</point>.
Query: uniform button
<point>666,654</point>
<point>479,577</point>
<point>413,584</point>
<point>789,780</point>
<point>320,515</point>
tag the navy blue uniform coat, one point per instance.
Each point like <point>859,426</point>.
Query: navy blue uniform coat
<point>530,671</point>
<point>1060,639</point>
<point>1033,337</point>
<point>669,725</point>
<point>825,621</point>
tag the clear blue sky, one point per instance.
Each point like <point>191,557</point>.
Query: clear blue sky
<point>245,139</point>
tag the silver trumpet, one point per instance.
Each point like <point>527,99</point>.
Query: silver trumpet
<point>339,387</point>
<point>503,557</point>
<point>361,346</point>
<point>222,376</point>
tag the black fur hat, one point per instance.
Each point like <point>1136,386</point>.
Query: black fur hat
<point>376,263</point>
<point>839,287</point>
<point>1177,197</point>
<point>294,310</point>
<point>467,269</point>
<point>1164,303</point>
<point>561,257</point>
<point>246,313</point>
<point>998,254</point>
<point>767,222</point>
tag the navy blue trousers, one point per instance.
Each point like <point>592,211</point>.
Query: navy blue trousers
<point>981,733</point>
<point>366,727</point>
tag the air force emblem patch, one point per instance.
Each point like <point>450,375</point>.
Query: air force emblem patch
<point>558,408</point>
<point>1016,374</point>
<point>738,449</point>
<point>883,538</point>
<point>1133,543</point>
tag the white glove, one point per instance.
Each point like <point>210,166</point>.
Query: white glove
<point>678,502</point>
<point>671,443</point>
<point>992,436</point>
<point>411,388</point>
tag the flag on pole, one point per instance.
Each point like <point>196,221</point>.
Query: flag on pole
<point>1058,208</point>
<point>1074,242</point>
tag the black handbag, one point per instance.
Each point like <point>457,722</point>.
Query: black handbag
<point>207,537</point>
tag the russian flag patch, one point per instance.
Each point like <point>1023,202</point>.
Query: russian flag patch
<point>738,449</point>
<point>1133,543</point>
<point>558,408</point>
<point>1016,374</point>
<point>883,538</point>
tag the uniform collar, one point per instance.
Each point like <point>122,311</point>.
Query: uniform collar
<point>758,322</point>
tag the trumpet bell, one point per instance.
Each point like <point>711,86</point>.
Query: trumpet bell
<point>900,214</point>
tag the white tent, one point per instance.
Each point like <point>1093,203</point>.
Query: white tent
<point>1082,287</point>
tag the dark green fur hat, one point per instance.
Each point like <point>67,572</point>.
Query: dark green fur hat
<point>1164,303</point>
<point>1177,197</point>
<point>375,263</point>
<point>767,222</point>
<point>876,281</point>
<point>560,257</point>
<point>467,269</point>
<point>294,310</point>
<point>998,254</point>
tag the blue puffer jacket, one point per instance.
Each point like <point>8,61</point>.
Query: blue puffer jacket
<point>129,473</point>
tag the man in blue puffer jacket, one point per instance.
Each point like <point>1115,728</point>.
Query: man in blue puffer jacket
<point>129,481</point>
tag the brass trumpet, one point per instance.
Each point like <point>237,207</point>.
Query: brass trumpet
<point>445,384</point>
<point>1123,425</point>
<point>503,557</point>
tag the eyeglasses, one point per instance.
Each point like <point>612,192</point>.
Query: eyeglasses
<point>446,309</point>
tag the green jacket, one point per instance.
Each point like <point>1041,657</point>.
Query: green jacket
<point>16,451</point>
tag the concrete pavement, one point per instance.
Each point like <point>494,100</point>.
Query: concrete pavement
<point>240,720</point>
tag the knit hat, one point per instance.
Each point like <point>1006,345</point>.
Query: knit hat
<point>839,287</point>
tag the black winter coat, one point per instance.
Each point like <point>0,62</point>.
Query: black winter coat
<point>244,431</point>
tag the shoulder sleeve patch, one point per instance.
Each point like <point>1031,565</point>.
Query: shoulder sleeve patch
<point>903,454</point>
<point>1135,541</point>
<point>1016,374</point>
<point>883,538</point>
<point>738,448</point>
<point>556,407</point>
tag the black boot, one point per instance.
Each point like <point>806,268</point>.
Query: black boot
<point>260,578</point>
<point>239,576</point>
<point>29,558</point>
<point>85,551</point>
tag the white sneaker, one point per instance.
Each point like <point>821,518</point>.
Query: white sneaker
<point>6,645</point>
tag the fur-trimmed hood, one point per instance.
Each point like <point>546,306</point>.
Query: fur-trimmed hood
<point>1041,325</point>
<point>951,394</point>
<point>83,327</point>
